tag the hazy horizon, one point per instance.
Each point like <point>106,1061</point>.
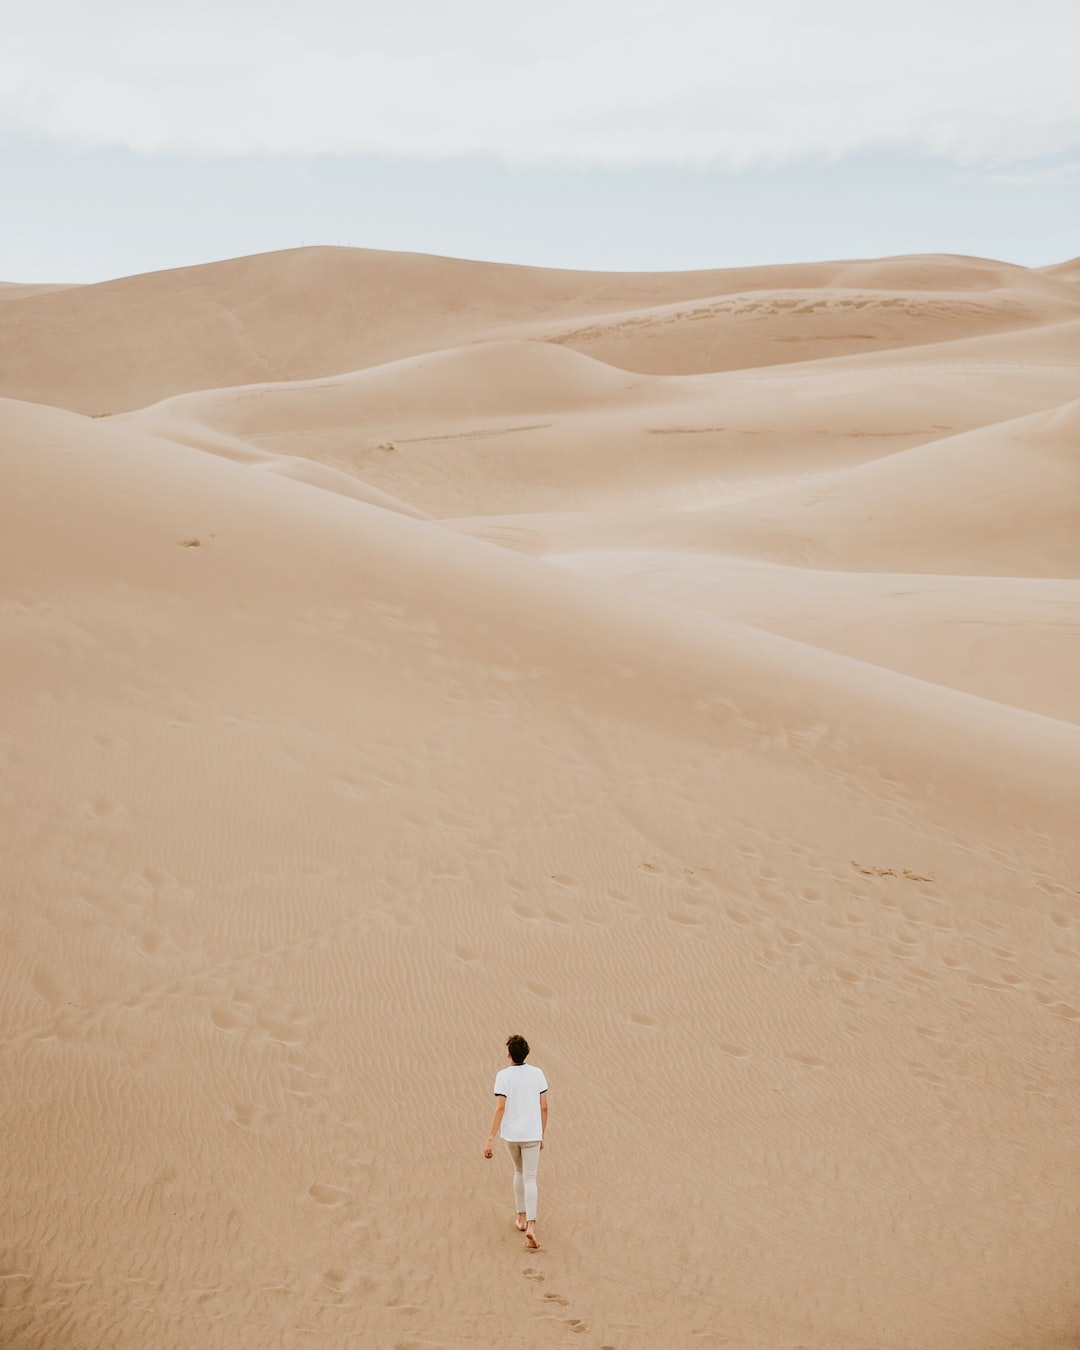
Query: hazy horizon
<point>600,137</point>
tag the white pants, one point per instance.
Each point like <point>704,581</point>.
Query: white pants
<point>526,1159</point>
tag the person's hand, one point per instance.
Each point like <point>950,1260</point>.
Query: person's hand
<point>487,1149</point>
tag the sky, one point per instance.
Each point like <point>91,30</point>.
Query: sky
<point>136,135</point>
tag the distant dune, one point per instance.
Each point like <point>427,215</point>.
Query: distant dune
<point>313,312</point>
<point>679,669</point>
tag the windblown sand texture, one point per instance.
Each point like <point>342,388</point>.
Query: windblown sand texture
<point>682,670</point>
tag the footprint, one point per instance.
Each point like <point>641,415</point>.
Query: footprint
<point>101,808</point>
<point>283,1033</point>
<point>327,1195</point>
<point>641,1019</point>
<point>540,990</point>
<point>1049,887</point>
<point>245,1115</point>
<point>556,1298</point>
<point>735,1051</point>
<point>47,988</point>
<point>811,1061</point>
<point>531,1273</point>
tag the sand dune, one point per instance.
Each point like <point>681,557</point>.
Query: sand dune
<point>354,720</point>
<point>765,328</point>
<point>17,290</point>
<point>555,429</point>
<point>122,344</point>
<point>1012,640</point>
<point>235,322</point>
<point>1001,500</point>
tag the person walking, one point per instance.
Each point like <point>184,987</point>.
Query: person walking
<point>521,1113</point>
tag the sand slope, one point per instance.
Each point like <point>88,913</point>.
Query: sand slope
<point>351,723</point>
<point>122,344</point>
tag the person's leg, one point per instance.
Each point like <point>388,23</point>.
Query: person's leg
<point>530,1161</point>
<point>519,1182</point>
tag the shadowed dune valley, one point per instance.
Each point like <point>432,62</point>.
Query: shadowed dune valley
<point>680,669</point>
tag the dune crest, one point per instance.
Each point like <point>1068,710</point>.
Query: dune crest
<point>679,669</point>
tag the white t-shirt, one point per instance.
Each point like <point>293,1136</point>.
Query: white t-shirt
<point>521,1085</point>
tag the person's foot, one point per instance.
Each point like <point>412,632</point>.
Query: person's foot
<point>519,1223</point>
<point>530,1235</point>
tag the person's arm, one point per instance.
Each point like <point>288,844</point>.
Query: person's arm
<point>496,1121</point>
<point>543,1117</point>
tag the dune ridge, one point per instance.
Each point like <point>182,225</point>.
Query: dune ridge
<point>231,322</point>
<point>424,650</point>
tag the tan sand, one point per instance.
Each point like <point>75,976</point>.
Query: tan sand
<point>450,650</point>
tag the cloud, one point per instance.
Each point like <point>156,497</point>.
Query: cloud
<point>629,83</point>
<point>1029,175</point>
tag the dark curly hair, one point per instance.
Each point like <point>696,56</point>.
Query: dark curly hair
<point>519,1049</point>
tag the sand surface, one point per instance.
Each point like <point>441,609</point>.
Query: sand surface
<point>682,670</point>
